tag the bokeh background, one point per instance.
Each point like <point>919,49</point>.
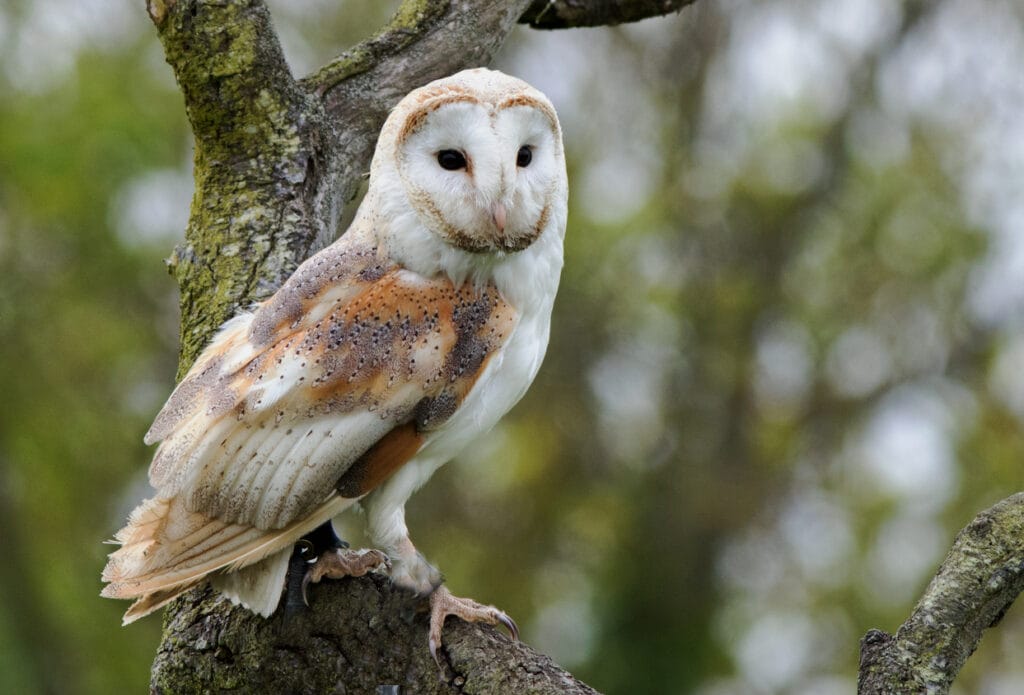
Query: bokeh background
<point>787,360</point>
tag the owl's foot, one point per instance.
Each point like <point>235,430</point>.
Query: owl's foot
<point>341,562</point>
<point>320,540</point>
<point>443,604</point>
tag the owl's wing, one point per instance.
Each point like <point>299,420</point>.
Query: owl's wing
<point>285,402</point>
<point>318,396</point>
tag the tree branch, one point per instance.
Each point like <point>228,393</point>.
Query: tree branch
<point>358,634</point>
<point>567,14</point>
<point>975,585</point>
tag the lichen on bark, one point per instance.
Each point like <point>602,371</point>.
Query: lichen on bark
<point>977,582</point>
<point>259,144</point>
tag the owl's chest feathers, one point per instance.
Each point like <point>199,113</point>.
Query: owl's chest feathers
<point>502,382</point>
<point>527,281</point>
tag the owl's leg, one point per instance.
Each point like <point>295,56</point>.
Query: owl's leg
<point>411,571</point>
<point>320,554</point>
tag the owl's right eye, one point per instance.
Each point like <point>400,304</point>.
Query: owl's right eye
<point>451,160</point>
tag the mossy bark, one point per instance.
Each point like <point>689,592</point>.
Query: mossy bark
<point>261,143</point>
<point>977,582</point>
<point>358,634</point>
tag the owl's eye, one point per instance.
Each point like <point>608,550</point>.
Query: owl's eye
<point>451,160</point>
<point>525,156</point>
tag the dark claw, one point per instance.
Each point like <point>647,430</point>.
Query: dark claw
<point>305,586</point>
<point>510,624</point>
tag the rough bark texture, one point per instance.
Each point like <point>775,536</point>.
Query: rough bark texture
<point>259,152</point>
<point>276,161</point>
<point>975,585</point>
<point>359,634</point>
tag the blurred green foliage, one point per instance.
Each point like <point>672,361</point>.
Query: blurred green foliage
<point>80,313</point>
<point>784,367</point>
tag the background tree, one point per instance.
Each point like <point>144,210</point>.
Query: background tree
<point>784,370</point>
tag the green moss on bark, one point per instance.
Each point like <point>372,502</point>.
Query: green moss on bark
<point>977,582</point>
<point>258,151</point>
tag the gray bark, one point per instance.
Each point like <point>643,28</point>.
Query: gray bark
<point>359,634</point>
<point>977,582</point>
<point>565,14</point>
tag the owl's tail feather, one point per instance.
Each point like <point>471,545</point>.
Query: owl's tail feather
<point>167,550</point>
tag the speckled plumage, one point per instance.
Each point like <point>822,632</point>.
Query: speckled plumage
<point>381,358</point>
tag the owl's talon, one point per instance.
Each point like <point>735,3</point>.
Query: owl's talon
<point>443,604</point>
<point>433,651</point>
<point>510,624</point>
<point>305,588</point>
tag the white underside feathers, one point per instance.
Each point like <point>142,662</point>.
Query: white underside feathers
<point>257,587</point>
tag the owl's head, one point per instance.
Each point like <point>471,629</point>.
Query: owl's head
<point>477,159</point>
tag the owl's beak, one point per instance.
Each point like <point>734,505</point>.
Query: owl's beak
<point>499,215</point>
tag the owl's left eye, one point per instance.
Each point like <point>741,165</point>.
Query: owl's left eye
<point>524,156</point>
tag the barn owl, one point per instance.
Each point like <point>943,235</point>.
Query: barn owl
<point>378,361</point>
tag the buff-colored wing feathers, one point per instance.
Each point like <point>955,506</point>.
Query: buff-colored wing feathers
<point>284,402</point>
<point>174,549</point>
<point>269,438</point>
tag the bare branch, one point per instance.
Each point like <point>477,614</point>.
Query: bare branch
<point>566,14</point>
<point>358,634</point>
<point>977,582</point>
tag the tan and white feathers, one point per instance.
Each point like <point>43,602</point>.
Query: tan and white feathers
<point>377,361</point>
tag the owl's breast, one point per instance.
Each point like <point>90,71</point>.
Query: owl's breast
<point>503,382</point>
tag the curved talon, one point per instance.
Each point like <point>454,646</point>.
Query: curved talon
<point>433,651</point>
<point>443,604</point>
<point>305,585</point>
<point>510,624</point>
